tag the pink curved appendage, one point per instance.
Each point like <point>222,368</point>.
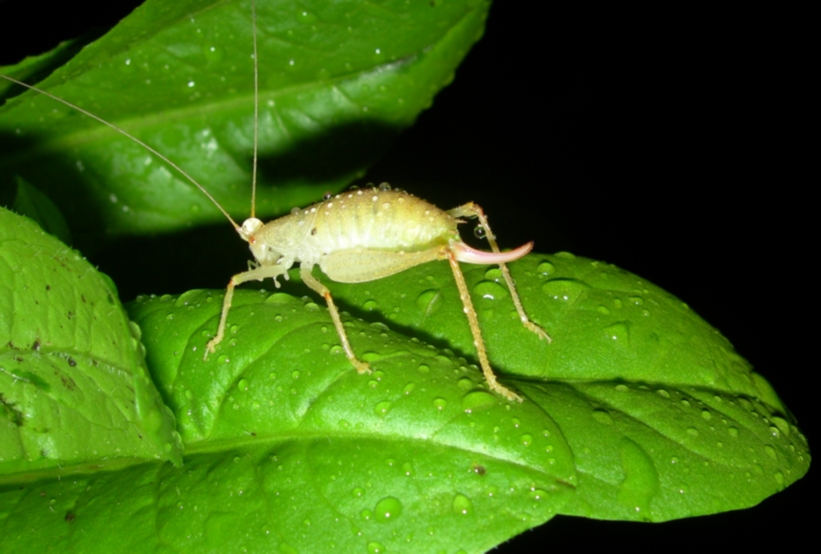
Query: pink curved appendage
<point>465,253</point>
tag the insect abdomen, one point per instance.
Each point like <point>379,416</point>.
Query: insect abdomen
<point>380,219</point>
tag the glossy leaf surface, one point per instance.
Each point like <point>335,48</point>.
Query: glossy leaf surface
<point>337,82</point>
<point>278,413</point>
<point>74,390</point>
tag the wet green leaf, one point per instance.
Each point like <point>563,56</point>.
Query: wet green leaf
<point>664,417</point>
<point>287,446</point>
<point>74,390</point>
<point>628,328</point>
<point>337,82</point>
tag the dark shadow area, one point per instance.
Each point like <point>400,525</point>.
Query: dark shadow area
<point>70,191</point>
<point>32,28</point>
<point>202,258</point>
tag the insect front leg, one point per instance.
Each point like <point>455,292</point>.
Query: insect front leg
<point>308,279</point>
<point>257,274</point>
<point>478,341</point>
<point>471,210</point>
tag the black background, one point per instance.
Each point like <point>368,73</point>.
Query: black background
<point>666,143</point>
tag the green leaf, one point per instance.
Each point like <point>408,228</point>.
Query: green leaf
<point>305,453</point>
<point>337,82</point>
<point>74,390</point>
<point>629,328</point>
<point>644,380</point>
<point>676,375</point>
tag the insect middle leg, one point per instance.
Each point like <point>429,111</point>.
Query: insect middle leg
<point>471,210</point>
<point>311,281</point>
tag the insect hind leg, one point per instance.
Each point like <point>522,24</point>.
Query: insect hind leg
<point>470,211</point>
<point>478,342</point>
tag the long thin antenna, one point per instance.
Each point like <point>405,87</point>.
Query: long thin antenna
<point>132,137</point>
<point>256,111</point>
